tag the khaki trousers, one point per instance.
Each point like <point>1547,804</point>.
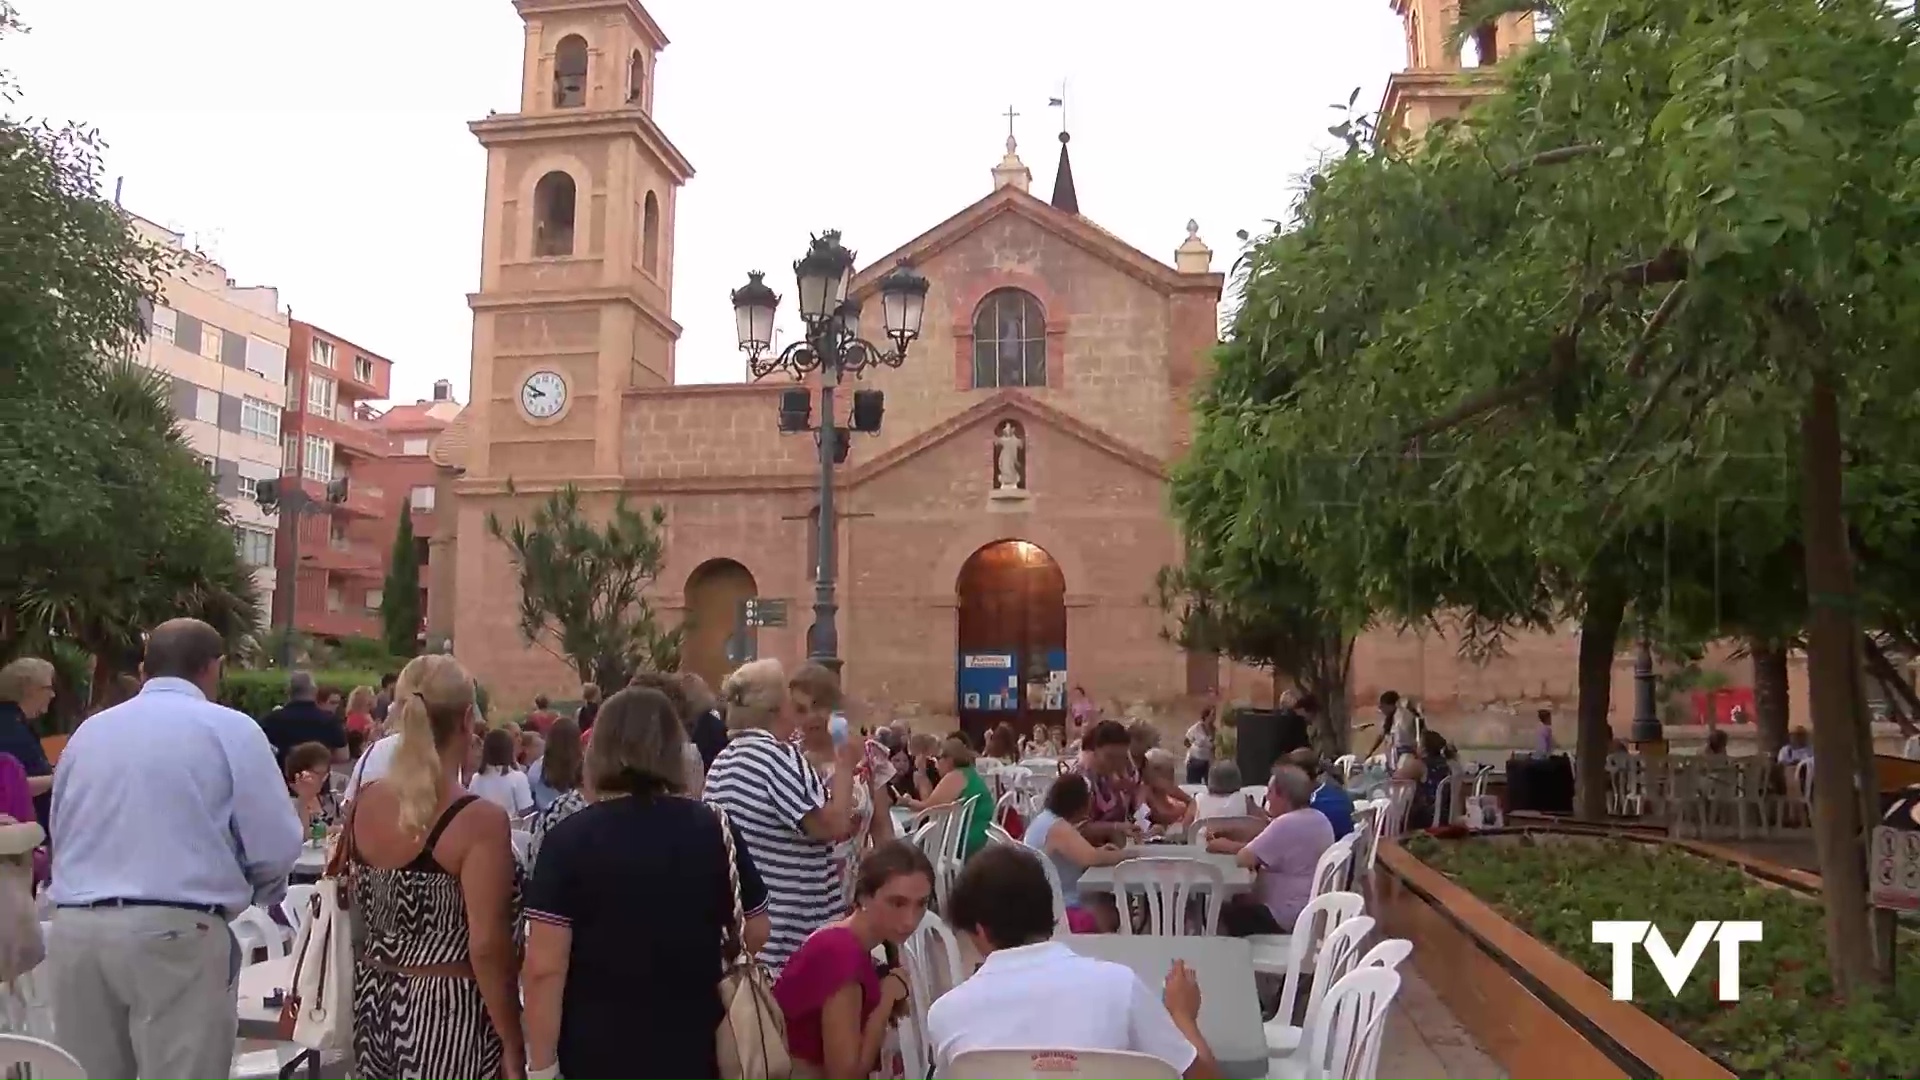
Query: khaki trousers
<point>144,992</point>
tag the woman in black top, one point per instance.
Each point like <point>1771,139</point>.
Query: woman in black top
<point>626,911</point>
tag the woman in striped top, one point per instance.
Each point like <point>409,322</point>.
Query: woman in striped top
<point>790,819</point>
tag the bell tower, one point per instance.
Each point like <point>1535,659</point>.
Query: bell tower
<point>1440,81</point>
<point>576,262</point>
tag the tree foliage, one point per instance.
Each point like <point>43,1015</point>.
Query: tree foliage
<point>583,586</point>
<point>109,522</point>
<point>400,594</point>
<point>1624,345</point>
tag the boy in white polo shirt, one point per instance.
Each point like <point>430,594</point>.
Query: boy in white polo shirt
<point>1034,993</point>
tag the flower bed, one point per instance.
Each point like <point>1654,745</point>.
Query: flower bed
<point>1786,1025</point>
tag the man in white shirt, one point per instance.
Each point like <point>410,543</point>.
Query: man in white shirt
<point>170,817</point>
<point>1034,993</point>
<point>1796,750</point>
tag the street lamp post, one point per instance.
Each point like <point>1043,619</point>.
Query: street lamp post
<point>292,499</point>
<point>831,345</point>
<point>1646,729</point>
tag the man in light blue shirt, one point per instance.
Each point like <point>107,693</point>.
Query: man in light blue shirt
<point>170,817</point>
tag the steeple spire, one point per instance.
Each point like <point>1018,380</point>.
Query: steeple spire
<point>1012,172</point>
<point>1064,197</point>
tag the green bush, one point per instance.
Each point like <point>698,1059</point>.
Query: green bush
<point>258,693</point>
<point>1787,1023</point>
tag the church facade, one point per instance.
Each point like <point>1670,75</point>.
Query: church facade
<point>997,539</point>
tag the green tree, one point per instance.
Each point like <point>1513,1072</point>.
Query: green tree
<point>1518,369</point>
<point>583,586</point>
<point>400,595</point>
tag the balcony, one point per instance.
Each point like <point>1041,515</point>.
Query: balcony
<point>342,556</point>
<point>363,500</point>
<point>347,622</point>
<point>350,435</point>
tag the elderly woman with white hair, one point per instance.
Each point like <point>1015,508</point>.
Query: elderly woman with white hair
<point>26,690</point>
<point>790,819</point>
<point>1166,803</point>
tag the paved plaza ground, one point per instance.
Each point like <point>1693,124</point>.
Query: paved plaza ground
<point>1425,1042</point>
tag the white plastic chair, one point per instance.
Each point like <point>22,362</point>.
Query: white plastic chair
<point>1344,1033</point>
<point>1168,884</point>
<point>255,932</point>
<point>522,845</point>
<point>1392,821</point>
<point>933,966</point>
<point>1366,827</point>
<point>940,832</point>
<point>1286,954</point>
<point>1344,766</point>
<point>274,1063</point>
<point>1272,952</point>
<point>1057,1065</point>
<point>37,1058</point>
<point>1389,954</point>
<point>297,909</point>
<point>1337,955</point>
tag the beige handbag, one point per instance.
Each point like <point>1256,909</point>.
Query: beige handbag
<point>317,1012</point>
<point>21,948</point>
<point>752,1037</point>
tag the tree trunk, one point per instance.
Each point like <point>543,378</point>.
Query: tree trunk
<point>1832,686</point>
<point>1327,681</point>
<point>1606,607</point>
<point>1769,695</point>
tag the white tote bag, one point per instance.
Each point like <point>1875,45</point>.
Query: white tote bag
<point>319,1012</point>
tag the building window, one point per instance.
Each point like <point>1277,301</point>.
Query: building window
<point>373,599</point>
<point>570,73</point>
<point>266,359</point>
<point>322,356</point>
<point>164,319</point>
<point>212,465</point>
<point>256,545</point>
<point>319,459</point>
<point>259,418</point>
<point>320,395</point>
<point>421,498</point>
<point>210,340</point>
<point>650,235</point>
<point>636,78</point>
<point>1009,341</point>
<point>247,487</point>
<point>334,601</point>
<point>289,454</point>
<point>363,369</point>
<point>414,447</point>
<point>206,405</point>
<point>553,199</point>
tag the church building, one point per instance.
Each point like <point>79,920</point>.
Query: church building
<point>997,539</point>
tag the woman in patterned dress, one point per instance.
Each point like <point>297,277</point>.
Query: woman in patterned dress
<point>872,798</point>
<point>435,882</point>
<point>562,770</point>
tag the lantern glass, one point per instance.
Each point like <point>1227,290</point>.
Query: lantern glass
<point>903,302</point>
<point>818,280</point>
<point>753,309</point>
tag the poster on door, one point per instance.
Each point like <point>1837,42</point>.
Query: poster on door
<point>989,682</point>
<point>1049,690</point>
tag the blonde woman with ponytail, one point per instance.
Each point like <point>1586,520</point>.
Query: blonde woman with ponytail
<point>435,983</point>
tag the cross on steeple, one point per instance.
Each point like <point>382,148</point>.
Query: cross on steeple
<point>1011,115</point>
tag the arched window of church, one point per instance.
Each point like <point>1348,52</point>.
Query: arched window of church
<point>1009,341</point>
<point>636,78</point>
<point>650,235</point>
<point>553,204</point>
<point>570,73</point>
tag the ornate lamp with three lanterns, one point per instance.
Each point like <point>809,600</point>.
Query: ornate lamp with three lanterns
<point>832,346</point>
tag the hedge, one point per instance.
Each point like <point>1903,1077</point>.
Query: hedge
<point>258,693</point>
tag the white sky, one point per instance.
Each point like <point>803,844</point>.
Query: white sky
<point>322,147</point>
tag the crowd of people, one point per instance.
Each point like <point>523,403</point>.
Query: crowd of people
<point>593,945</point>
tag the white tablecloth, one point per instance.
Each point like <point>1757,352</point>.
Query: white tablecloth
<point>1229,1003</point>
<point>257,982</point>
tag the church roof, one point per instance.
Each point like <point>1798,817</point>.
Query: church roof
<point>1070,227</point>
<point>992,407</point>
<point>1064,197</point>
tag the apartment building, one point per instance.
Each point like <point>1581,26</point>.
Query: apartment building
<point>225,347</point>
<point>333,569</point>
<point>409,478</point>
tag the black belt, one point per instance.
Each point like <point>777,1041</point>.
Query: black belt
<point>127,902</point>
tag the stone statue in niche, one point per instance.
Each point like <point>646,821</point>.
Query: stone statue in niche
<point>1009,459</point>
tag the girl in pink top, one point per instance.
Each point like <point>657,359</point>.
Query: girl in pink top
<point>837,1003</point>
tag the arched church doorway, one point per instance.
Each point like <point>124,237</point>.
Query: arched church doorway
<point>1012,663</point>
<point>715,592</point>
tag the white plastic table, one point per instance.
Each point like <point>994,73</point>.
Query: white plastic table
<point>311,863</point>
<point>256,983</point>
<point>1229,1002</point>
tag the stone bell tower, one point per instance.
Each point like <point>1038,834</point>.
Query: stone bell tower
<point>1439,81</point>
<point>576,278</point>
